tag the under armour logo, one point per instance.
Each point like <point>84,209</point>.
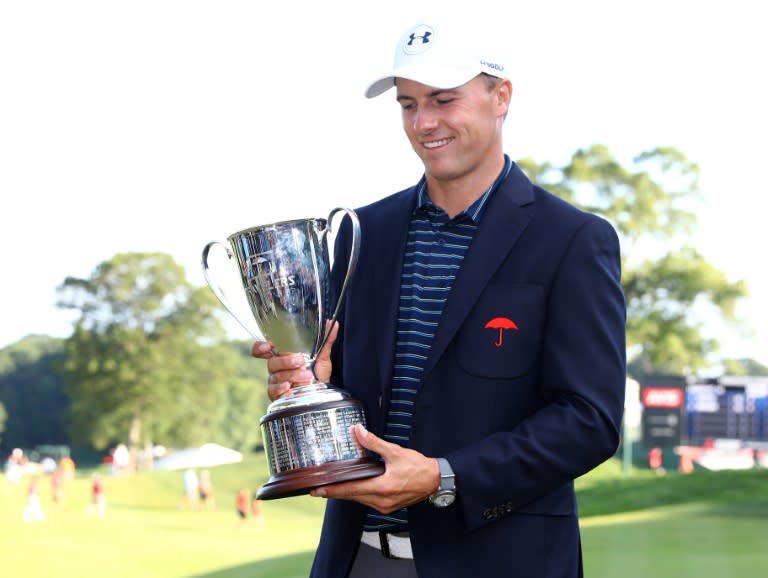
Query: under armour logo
<point>421,39</point>
<point>424,37</point>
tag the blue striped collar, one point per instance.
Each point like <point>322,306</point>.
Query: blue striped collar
<point>476,209</point>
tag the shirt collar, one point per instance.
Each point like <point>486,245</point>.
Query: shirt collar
<point>476,209</point>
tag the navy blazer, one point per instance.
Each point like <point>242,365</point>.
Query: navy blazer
<point>517,421</point>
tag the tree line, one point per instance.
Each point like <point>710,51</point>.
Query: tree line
<point>148,361</point>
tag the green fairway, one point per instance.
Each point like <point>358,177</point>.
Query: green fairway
<point>704,525</point>
<point>690,541</point>
<point>148,532</point>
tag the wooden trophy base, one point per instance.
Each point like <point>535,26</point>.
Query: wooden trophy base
<point>303,480</point>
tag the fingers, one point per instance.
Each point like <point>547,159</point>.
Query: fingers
<point>372,442</point>
<point>289,369</point>
<point>323,365</point>
<point>409,477</point>
<point>285,371</point>
<point>325,352</point>
<point>261,349</point>
<point>277,390</point>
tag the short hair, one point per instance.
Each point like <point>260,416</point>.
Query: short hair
<point>491,81</point>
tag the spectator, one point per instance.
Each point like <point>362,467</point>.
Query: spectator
<point>48,464</point>
<point>33,511</point>
<point>242,499</point>
<point>13,466</point>
<point>98,497</point>
<point>207,498</point>
<point>67,467</point>
<point>256,511</point>
<point>656,461</point>
<point>121,459</point>
<point>192,489</point>
<point>57,489</point>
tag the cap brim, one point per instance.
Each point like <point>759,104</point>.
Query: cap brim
<point>380,86</point>
<point>443,78</point>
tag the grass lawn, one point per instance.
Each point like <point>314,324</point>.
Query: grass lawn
<point>690,541</point>
<point>707,525</point>
<point>149,532</point>
<point>703,525</point>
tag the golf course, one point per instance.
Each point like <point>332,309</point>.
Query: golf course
<point>635,525</point>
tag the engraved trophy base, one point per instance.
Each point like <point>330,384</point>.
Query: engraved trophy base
<point>302,481</point>
<point>309,443</point>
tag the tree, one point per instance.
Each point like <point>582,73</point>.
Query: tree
<point>247,402</point>
<point>668,284</point>
<point>745,366</point>
<point>32,394</point>
<point>3,417</point>
<point>141,363</point>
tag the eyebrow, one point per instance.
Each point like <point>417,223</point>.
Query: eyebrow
<point>436,92</point>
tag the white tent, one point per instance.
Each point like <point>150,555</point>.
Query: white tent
<point>205,456</point>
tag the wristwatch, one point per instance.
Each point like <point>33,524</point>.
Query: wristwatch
<point>446,492</point>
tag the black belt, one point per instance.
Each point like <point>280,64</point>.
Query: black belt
<point>394,546</point>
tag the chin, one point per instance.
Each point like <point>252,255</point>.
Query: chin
<point>442,171</point>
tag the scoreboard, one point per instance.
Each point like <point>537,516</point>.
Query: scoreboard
<point>663,402</point>
<point>727,410</point>
<point>688,413</point>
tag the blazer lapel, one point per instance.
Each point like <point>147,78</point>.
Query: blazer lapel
<point>506,216</point>
<point>391,236</point>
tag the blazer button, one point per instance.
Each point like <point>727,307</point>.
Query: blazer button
<point>487,515</point>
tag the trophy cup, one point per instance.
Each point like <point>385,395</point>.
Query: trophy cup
<point>285,273</point>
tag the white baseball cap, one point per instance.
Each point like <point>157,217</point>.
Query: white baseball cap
<point>440,54</point>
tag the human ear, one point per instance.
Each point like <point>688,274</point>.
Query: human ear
<point>504,94</point>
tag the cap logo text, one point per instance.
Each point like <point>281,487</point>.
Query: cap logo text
<point>492,65</point>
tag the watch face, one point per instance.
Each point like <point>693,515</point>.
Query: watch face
<point>441,500</point>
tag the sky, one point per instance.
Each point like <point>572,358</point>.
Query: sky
<point>160,125</point>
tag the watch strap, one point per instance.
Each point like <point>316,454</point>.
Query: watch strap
<point>447,477</point>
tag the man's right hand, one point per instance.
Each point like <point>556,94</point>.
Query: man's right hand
<point>287,370</point>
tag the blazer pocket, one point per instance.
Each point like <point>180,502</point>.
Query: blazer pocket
<point>501,337</point>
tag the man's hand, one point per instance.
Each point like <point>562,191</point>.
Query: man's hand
<point>289,369</point>
<point>410,477</point>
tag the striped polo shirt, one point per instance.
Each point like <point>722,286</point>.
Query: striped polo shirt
<point>433,255</point>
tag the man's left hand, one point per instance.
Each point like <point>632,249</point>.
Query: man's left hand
<point>410,477</point>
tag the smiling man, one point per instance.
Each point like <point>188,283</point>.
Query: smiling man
<point>483,331</point>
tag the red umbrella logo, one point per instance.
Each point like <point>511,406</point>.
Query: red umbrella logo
<point>500,323</point>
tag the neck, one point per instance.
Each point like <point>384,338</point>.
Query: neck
<point>455,194</point>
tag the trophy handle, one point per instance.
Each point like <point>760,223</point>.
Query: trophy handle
<point>354,253</point>
<point>217,290</point>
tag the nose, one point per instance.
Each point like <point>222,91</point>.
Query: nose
<point>424,120</point>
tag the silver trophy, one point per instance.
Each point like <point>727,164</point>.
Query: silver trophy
<point>285,272</point>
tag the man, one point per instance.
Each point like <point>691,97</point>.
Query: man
<point>483,330</point>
